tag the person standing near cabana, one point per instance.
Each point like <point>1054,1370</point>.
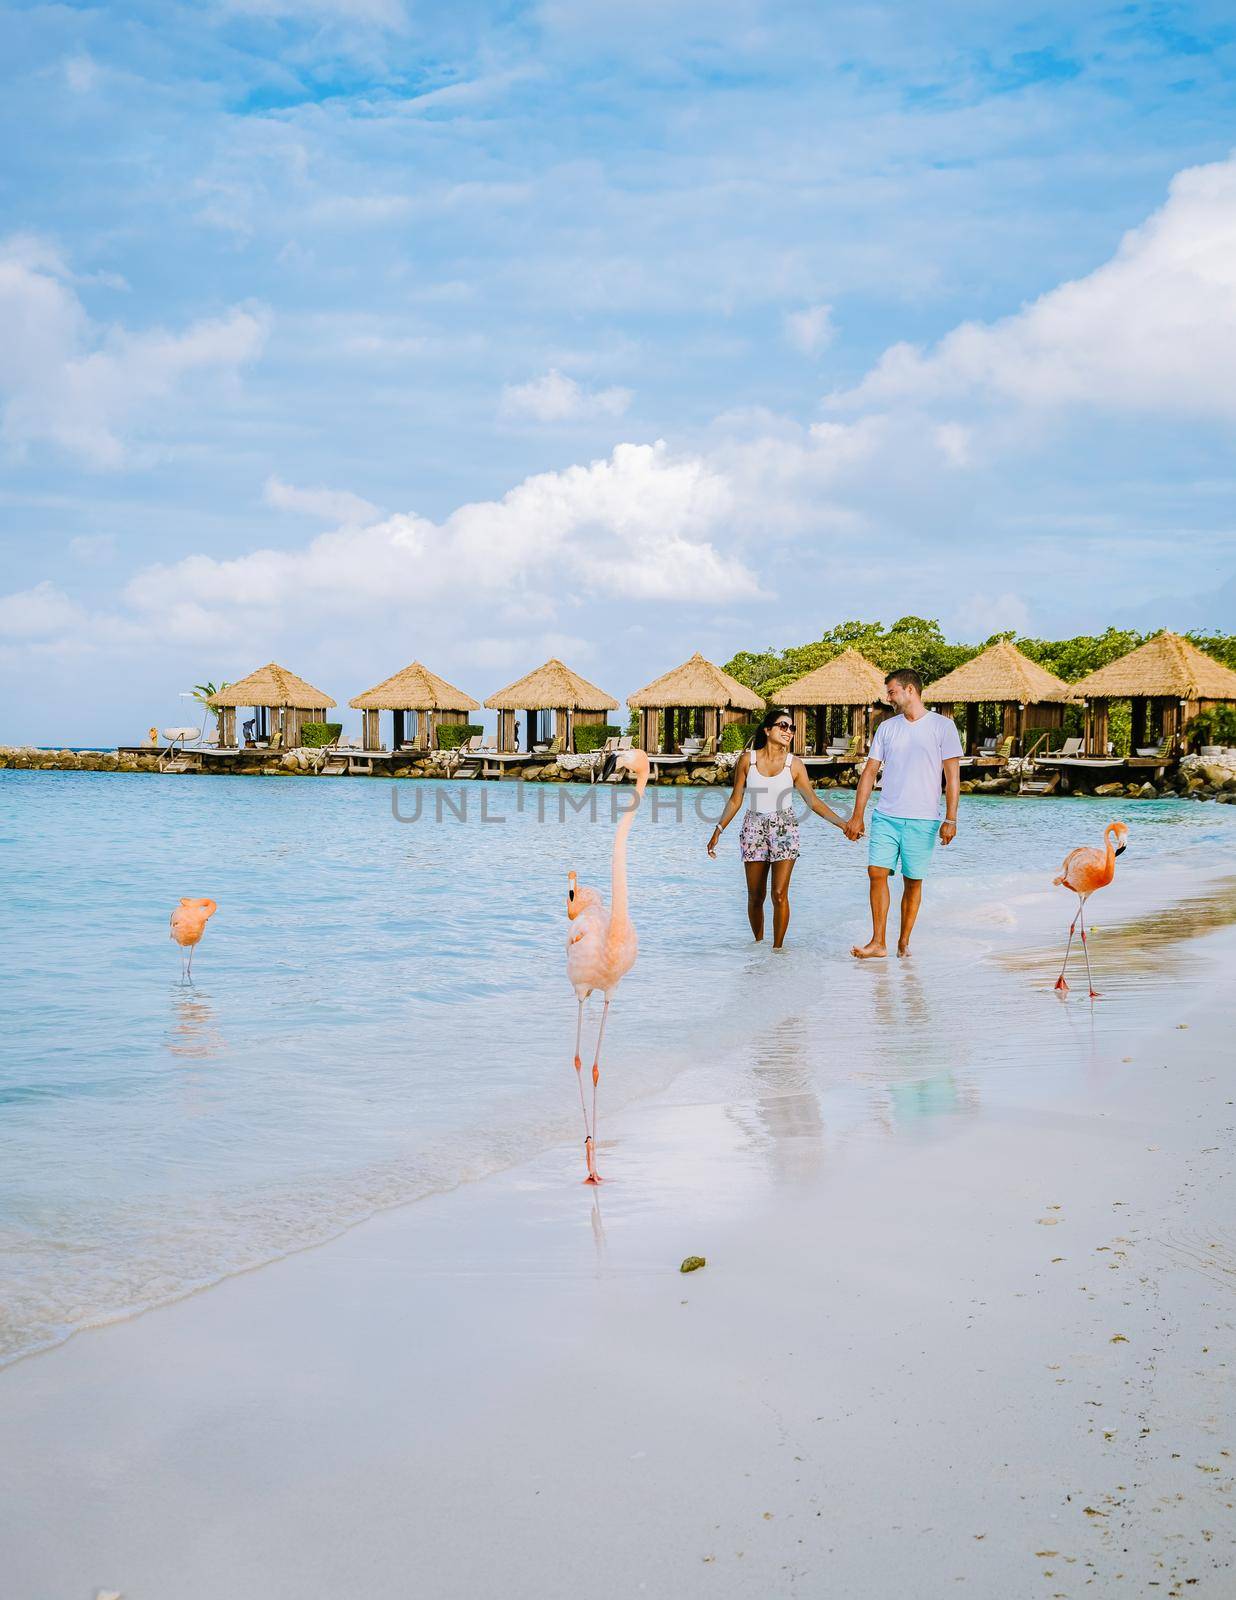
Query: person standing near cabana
<point>767,775</point>
<point>916,749</point>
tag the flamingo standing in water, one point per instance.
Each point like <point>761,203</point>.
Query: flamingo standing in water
<point>601,945</point>
<point>188,923</point>
<point>1084,870</point>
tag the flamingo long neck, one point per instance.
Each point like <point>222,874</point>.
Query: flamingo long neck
<point>1109,866</point>
<point>618,867</point>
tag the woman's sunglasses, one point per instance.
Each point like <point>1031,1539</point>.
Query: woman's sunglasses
<point>787,727</point>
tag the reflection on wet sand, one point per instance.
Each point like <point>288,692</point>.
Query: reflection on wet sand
<point>917,1072</point>
<point>1152,945</point>
<point>784,1102</point>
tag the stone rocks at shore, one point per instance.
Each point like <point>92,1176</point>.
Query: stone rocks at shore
<point>1211,778</point>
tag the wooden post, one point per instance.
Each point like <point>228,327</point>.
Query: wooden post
<point>800,729</point>
<point>1138,708</point>
<point>1096,739</point>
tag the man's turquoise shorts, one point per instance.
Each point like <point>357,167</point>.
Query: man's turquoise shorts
<point>905,842</point>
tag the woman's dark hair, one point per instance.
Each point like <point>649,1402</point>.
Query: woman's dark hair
<point>773,714</point>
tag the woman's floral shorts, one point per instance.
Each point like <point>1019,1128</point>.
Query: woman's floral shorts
<point>769,836</point>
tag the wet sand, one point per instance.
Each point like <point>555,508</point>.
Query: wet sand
<point>965,1326</point>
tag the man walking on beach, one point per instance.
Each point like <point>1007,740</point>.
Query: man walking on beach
<point>915,748</point>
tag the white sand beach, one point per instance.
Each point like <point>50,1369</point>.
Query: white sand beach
<point>968,1333</point>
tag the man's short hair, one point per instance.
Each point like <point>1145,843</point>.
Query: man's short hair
<point>906,677</point>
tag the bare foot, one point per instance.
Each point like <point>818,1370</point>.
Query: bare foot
<point>903,949</point>
<point>868,952</point>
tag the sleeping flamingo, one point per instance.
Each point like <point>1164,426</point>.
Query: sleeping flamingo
<point>601,945</point>
<point>188,925</point>
<point>1084,870</point>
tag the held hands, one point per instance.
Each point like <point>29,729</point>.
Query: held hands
<point>948,832</point>
<point>853,827</point>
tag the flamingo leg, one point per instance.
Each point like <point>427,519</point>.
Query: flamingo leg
<point>591,1146</point>
<point>191,950</point>
<point>579,1028</point>
<point>1094,994</point>
<point>1060,983</point>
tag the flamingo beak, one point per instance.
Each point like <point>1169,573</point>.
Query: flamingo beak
<point>608,765</point>
<point>1121,848</point>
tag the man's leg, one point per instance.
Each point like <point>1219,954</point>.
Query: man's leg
<point>911,899</point>
<point>757,888</point>
<point>878,883</point>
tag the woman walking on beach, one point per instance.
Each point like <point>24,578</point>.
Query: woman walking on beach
<point>767,774</point>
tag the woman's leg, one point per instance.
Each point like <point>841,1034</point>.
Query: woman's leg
<point>757,888</point>
<point>781,871</point>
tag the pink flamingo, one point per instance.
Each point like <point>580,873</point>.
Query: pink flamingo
<point>1084,870</point>
<point>601,945</point>
<point>188,925</point>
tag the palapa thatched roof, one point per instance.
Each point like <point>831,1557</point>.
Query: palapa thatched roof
<point>414,689</point>
<point>847,680</point>
<point>553,687</point>
<point>695,683</point>
<point>1000,674</point>
<point>273,685</point>
<point>1166,666</point>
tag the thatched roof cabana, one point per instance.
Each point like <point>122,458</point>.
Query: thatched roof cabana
<point>849,684</point>
<point>553,687</point>
<point>282,703</point>
<point>1002,676</point>
<point>418,692</point>
<point>696,691</point>
<point>1165,666</point>
<point>1167,681</point>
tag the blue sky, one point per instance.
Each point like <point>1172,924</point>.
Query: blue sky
<point>351,331</point>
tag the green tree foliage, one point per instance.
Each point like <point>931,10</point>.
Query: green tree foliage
<point>920,643</point>
<point>910,642</point>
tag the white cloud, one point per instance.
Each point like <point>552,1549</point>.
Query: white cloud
<point>329,505</point>
<point>1152,329</point>
<point>92,549</point>
<point>34,613</point>
<point>634,526</point>
<point>68,382</point>
<point>811,330</point>
<point>81,73</point>
<point>954,441</point>
<point>558,398</point>
<point>981,615</point>
<point>389,14</point>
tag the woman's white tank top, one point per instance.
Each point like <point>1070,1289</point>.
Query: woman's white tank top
<point>769,795</point>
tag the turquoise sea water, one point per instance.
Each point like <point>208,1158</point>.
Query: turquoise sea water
<point>379,1010</point>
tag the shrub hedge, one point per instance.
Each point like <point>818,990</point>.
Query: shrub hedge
<point>736,735</point>
<point>452,734</point>
<point>313,735</point>
<point>592,735</point>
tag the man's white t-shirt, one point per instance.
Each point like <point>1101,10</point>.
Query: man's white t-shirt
<point>913,754</point>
